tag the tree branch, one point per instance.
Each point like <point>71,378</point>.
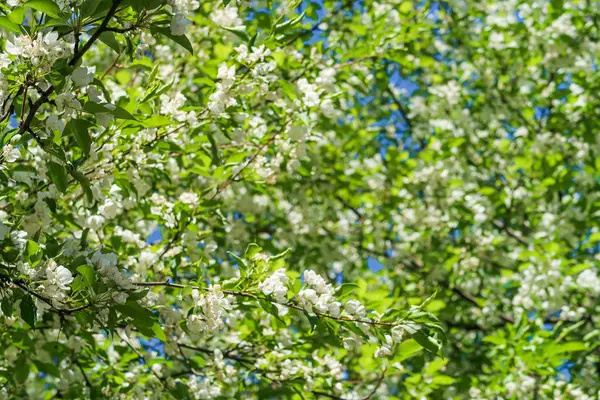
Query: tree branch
<point>252,296</point>
<point>97,33</point>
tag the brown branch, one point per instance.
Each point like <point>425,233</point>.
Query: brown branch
<point>24,125</point>
<point>111,66</point>
<point>510,232</point>
<point>226,354</point>
<point>121,30</point>
<point>21,285</point>
<point>102,28</point>
<point>23,102</point>
<point>377,385</point>
<point>250,161</point>
<point>350,207</point>
<point>87,380</point>
<point>329,396</point>
<point>474,301</point>
<point>140,355</point>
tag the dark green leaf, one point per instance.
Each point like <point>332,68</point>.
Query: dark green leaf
<point>181,40</point>
<point>58,175</point>
<point>121,113</point>
<point>80,129</point>
<point>110,40</point>
<point>28,310</point>
<point>239,32</point>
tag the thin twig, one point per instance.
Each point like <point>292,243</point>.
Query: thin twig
<point>87,380</point>
<point>21,285</point>
<point>140,355</point>
<point>377,385</point>
<point>96,35</point>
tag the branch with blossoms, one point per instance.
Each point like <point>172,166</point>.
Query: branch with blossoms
<point>24,125</point>
<point>63,309</point>
<point>258,298</point>
<point>315,299</point>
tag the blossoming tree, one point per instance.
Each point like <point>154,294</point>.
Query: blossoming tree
<point>329,199</point>
<point>139,139</point>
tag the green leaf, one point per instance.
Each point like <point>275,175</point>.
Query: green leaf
<point>140,294</point>
<point>45,6</point>
<point>110,40</point>
<point>7,306</point>
<point>140,315</point>
<point>289,23</point>
<point>240,261</point>
<point>9,25</point>
<point>32,248</point>
<point>351,326</point>
<point>80,129</point>
<point>21,369</point>
<point>594,237</point>
<point>28,310</point>
<point>407,349</point>
<point>47,368</point>
<point>95,108</point>
<point>106,93</point>
<point>88,8</point>
<point>159,332</point>
<point>251,250</point>
<point>58,175</point>
<point>443,380</point>
<point>556,7</point>
<point>346,289</point>
<point>565,332</point>
<point>391,315</point>
<point>565,348</point>
<point>214,150</point>
<point>420,335</point>
<point>85,184</point>
<point>156,121</point>
<point>430,343</point>
<point>17,15</point>
<point>435,365</point>
<point>238,31</point>
<point>280,255</point>
<point>495,339</point>
<point>252,40</point>
<point>270,308</point>
<point>88,274</point>
<point>152,4</point>
<point>428,300</point>
<point>121,113</point>
<point>406,7</point>
<point>181,40</point>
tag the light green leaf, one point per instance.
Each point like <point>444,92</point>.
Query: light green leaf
<point>159,332</point>
<point>9,25</point>
<point>17,15</point>
<point>46,6</point>
<point>88,274</point>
